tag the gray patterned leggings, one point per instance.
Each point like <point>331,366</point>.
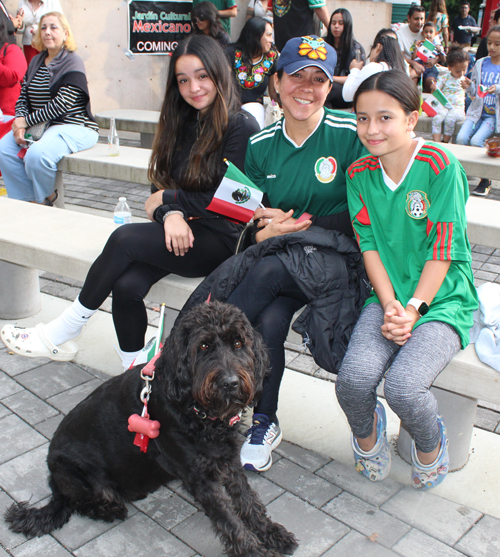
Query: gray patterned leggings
<point>413,369</point>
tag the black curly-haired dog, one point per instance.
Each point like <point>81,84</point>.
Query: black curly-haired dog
<point>212,366</point>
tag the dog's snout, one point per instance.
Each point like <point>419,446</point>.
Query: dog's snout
<point>230,383</point>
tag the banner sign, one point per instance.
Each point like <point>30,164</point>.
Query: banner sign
<point>156,27</point>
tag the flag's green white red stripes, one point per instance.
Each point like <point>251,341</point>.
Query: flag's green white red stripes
<point>425,50</point>
<point>435,104</point>
<point>153,346</point>
<point>237,197</point>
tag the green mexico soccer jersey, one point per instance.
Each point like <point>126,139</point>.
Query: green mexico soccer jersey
<point>421,219</point>
<point>310,178</point>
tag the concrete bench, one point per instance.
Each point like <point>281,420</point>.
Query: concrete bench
<point>474,160</point>
<point>62,242</point>
<point>67,242</point>
<point>131,120</point>
<point>424,125</point>
<point>483,221</point>
<point>131,165</point>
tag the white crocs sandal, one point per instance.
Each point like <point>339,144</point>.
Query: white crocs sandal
<point>33,343</point>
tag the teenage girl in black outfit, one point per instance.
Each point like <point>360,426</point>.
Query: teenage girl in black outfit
<point>201,124</point>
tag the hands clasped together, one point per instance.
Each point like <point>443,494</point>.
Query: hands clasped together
<point>399,322</point>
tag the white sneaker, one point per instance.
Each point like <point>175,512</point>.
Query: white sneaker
<point>261,439</point>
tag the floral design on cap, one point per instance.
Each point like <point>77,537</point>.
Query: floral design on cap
<point>313,47</point>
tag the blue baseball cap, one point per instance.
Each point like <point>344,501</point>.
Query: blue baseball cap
<point>302,52</point>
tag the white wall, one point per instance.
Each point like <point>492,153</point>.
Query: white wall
<point>115,81</point>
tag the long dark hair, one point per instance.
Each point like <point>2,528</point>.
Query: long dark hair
<point>249,40</point>
<point>385,32</point>
<point>397,85</point>
<point>206,11</point>
<point>204,160</point>
<point>390,53</point>
<point>4,36</point>
<point>346,43</point>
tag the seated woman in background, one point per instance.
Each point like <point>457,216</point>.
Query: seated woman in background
<point>254,59</point>
<point>206,21</point>
<point>201,124</point>
<point>341,37</point>
<point>54,90</point>
<point>12,69</point>
<point>385,55</point>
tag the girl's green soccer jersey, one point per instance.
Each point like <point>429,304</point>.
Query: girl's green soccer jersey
<point>421,219</point>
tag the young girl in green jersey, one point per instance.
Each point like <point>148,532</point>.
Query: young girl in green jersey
<point>407,205</point>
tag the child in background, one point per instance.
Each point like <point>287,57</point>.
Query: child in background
<point>431,73</point>
<point>452,84</point>
<point>407,206</point>
<point>483,115</point>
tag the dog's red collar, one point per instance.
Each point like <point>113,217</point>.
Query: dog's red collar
<point>203,415</point>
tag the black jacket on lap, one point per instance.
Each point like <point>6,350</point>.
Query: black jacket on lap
<point>326,265</point>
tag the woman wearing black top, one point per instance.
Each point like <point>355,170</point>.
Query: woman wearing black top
<point>200,125</point>
<point>254,59</point>
<point>206,21</point>
<point>341,37</point>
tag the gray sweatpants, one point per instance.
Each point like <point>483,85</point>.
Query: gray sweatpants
<point>413,369</point>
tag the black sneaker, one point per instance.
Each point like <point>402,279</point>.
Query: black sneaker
<point>483,188</point>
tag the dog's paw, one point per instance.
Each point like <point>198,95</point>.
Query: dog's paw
<point>279,538</point>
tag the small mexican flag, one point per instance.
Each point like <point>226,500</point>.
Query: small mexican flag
<point>425,51</point>
<point>237,197</point>
<point>435,104</point>
<point>153,346</point>
<point>482,91</point>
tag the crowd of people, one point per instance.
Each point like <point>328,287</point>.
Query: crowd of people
<point>351,198</point>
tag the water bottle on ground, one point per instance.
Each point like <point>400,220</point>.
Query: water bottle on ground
<point>123,214</point>
<point>113,139</point>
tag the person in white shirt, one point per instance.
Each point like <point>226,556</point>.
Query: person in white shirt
<point>409,34</point>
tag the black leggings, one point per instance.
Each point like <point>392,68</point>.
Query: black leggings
<point>269,297</point>
<point>134,258</point>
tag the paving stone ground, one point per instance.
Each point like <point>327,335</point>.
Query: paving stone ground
<point>331,509</point>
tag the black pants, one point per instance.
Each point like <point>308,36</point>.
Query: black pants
<point>269,297</point>
<point>133,259</point>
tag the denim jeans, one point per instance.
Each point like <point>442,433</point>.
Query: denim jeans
<point>33,178</point>
<point>476,134</point>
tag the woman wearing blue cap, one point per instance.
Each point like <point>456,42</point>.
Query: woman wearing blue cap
<point>304,254</point>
